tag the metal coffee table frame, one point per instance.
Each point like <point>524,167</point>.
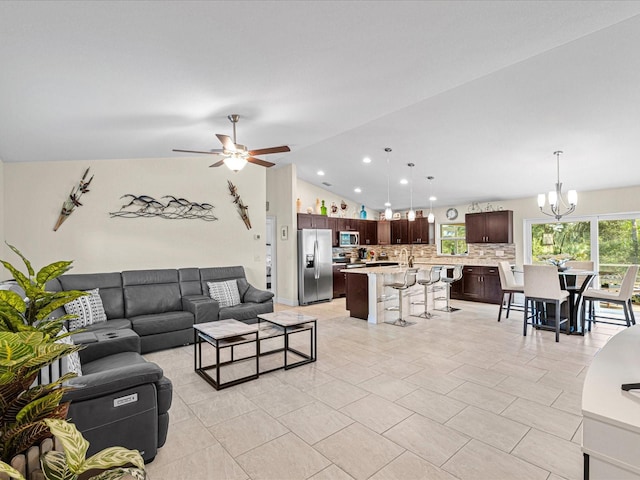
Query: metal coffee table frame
<point>286,324</point>
<point>250,335</point>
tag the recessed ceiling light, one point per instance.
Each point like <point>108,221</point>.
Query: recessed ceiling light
<point>366,160</point>
<point>357,190</point>
<point>432,198</point>
<point>404,181</point>
<point>321,173</point>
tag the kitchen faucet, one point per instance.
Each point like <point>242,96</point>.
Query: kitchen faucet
<point>406,256</point>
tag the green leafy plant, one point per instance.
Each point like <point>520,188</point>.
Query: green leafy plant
<point>32,314</point>
<point>70,464</point>
<point>23,406</point>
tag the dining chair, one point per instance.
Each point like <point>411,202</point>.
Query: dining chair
<point>409,280</point>
<point>541,285</point>
<point>509,286</point>
<point>622,297</point>
<point>432,278</point>
<point>455,276</point>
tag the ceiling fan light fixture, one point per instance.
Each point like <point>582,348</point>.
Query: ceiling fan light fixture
<point>235,163</point>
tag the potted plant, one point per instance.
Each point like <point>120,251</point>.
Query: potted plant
<point>72,463</point>
<point>32,313</point>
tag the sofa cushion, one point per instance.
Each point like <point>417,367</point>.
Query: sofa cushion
<point>88,309</point>
<point>243,286</point>
<point>151,291</point>
<point>219,274</point>
<point>189,279</point>
<point>113,324</point>
<point>225,293</point>
<point>109,284</point>
<point>254,295</point>
<point>161,322</point>
<point>245,311</point>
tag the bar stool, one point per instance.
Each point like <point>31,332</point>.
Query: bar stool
<point>455,276</point>
<point>509,285</point>
<point>409,281</point>
<point>433,278</point>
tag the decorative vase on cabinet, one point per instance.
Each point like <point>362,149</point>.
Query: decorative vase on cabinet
<point>323,209</point>
<point>363,213</point>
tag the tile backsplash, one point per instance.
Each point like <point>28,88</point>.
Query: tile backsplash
<point>479,254</point>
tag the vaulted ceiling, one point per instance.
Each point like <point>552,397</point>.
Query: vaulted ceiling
<point>477,94</point>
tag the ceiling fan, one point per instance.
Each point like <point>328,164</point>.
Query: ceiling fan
<point>236,155</point>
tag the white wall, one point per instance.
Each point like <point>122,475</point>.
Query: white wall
<point>2,202</point>
<point>281,197</point>
<point>308,193</point>
<point>34,193</point>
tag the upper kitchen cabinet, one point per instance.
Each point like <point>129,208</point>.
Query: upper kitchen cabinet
<point>368,232</point>
<point>309,220</point>
<point>489,227</point>
<point>400,231</point>
<point>421,231</point>
<point>348,224</point>
<point>384,232</point>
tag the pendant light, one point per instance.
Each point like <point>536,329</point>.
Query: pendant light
<point>431,218</point>
<point>555,197</point>
<point>388,213</point>
<point>411,216</point>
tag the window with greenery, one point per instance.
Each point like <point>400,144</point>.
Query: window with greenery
<point>453,239</point>
<point>560,240</point>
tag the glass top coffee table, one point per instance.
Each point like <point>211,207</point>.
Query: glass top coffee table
<point>287,323</point>
<point>221,335</point>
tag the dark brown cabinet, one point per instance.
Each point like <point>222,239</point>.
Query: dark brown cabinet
<point>421,231</point>
<point>481,284</point>
<point>357,302</point>
<point>309,220</point>
<point>348,224</point>
<point>339,282</point>
<point>489,227</point>
<point>368,232</point>
<point>384,232</point>
<point>400,231</point>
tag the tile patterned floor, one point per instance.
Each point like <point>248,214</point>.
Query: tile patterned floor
<point>459,396</point>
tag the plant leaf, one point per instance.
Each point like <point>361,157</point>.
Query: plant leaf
<point>9,470</point>
<point>48,305</point>
<point>54,466</point>
<point>52,271</point>
<point>18,276</point>
<point>113,457</point>
<point>118,473</point>
<point>74,444</point>
<point>26,262</point>
<point>13,300</point>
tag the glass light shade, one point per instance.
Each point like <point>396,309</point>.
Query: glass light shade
<point>541,200</point>
<point>553,198</point>
<point>388,213</point>
<point>572,196</point>
<point>431,217</point>
<point>235,163</point>
<point>411,216</point>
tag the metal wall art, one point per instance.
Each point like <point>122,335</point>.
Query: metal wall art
<point>171,209</point>
<point>240,206</point>
<point>73,200</point>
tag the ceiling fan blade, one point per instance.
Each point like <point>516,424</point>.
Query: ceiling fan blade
<point>267,151</point>
<point>260,162</point>
<point>227,143</point>
<point>217,164</point>
<point>210,152</point>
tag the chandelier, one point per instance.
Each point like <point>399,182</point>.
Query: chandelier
<point>388,213</point>
<point>556,200</point>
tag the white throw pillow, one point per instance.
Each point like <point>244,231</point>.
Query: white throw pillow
<point>226,293</point>
<point>88,308</point>
<point>72,360</point>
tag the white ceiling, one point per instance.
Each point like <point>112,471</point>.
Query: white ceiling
<point>477,94</point>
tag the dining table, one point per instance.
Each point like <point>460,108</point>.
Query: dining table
<point>575,281</point>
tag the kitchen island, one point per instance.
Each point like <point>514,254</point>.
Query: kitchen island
<point>369,299</point>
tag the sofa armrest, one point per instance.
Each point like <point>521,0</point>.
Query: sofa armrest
<point>111,381</point>
<point>256,295</point>
<point>106,343</point>
<point>204,309</point>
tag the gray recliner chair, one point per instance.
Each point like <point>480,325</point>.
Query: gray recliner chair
<point>120,399</point>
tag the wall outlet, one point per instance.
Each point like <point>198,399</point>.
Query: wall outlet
<point>481,252</point>
<point>499,253</point>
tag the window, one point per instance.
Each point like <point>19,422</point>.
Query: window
<point>569,240</point>
<point>453,239</point>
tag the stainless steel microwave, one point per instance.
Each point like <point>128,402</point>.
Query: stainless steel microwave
<point>349,239</point>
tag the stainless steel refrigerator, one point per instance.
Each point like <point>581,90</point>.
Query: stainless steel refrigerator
<point>315,273</point>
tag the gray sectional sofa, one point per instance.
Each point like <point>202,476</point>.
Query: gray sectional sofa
<point>162,305</point>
